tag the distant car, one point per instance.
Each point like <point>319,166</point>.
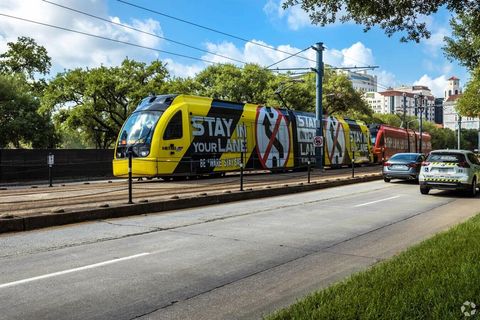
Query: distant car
<point>450,170</point>
<point>403,166</point>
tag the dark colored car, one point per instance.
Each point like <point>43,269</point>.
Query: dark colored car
<point>403,166</point>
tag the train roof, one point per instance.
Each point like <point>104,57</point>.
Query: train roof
<point>156,103</point>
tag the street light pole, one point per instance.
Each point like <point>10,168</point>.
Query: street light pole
<point>459,131</point>
<point>421,122</point>
<point>404,108</point>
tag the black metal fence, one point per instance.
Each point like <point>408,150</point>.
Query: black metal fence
<point>27,164</point>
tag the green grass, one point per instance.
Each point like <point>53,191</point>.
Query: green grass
<point>428,281</point>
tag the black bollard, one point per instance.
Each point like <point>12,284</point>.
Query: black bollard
<point>241,171</point>
<point>353,163</point>
<point>130,156</point>
<point>308,170</point>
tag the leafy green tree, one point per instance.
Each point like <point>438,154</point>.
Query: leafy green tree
<point>469,139</point>
<point>251,83</point>
<point>96,102</point>
<point>25,57</point>
<point>20,123</point>
<point>339,97</point>
<point>392,16</point>
<point>469,102</point>
<point>464,44</point>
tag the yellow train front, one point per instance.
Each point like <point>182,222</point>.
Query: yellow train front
<point>181,135</point>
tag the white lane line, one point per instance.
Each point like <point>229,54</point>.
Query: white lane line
<point>59,273</point>
<point>371,202</point>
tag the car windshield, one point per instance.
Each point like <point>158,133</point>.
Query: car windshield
<point>139,128</point>
<point>446,157</point>
<point>404,157</point>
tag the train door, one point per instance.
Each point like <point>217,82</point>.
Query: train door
<point>174,142</point>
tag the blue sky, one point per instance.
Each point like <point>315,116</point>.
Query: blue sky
<point>256,20</point>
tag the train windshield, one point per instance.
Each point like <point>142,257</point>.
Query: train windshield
<point>139,128</point>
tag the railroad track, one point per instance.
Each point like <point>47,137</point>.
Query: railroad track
<point>45,200</point>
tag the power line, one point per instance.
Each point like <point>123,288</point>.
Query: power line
<point>291,56</point>
<point>108,39</point>
<point>209,29</point>
<point>142,31</point>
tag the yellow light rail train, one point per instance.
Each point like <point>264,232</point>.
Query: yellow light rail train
<point>180,135</point>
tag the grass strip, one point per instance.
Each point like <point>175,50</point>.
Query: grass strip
<point>431,280</point>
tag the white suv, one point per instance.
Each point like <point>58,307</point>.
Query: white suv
<point>450,170</point>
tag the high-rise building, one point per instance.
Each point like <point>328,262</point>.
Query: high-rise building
<point>362,81</point>
<point>411,100</point>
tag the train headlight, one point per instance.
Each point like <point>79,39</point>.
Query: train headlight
<point>144,151</point>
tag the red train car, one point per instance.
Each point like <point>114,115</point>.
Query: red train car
<point>387,141</point>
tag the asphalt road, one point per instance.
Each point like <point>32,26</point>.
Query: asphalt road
<point>234,261</point>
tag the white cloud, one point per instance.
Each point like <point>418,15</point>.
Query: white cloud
<point>295,16</point>
<point>355,55</point>
<point>183,70</point>
<point>71,50</point>
<point>385,80</point>
<point>436,85</point>
<point>434,44</point>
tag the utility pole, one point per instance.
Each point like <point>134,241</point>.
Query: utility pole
<point>459,131</point>
<point>318,105</point>
<point>404,109</point>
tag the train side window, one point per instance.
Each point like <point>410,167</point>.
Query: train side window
<point>174,128</point>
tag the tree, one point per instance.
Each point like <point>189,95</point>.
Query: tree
<point>464,45</point>
<point>251,83</point>
<point>469,102</point>
<point>96,102</point>
<point>339,97</point>
<point>25,57</point>
<point>20,123</point>
<point>392,16</point>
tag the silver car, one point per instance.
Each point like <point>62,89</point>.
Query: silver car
<point>403,166</point>
<point>450,170</point>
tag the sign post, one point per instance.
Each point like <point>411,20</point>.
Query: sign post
<point>50,162</point>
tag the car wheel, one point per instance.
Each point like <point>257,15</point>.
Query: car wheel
<point>473,189</point>
<point>386,179</point>
<point>424,190</point>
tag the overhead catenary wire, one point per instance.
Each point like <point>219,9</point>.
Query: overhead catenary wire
<point>291,56</point>
<point>164,38</point>
<point>210,29</point>
<point>142,31</point>
<point>108,39</point>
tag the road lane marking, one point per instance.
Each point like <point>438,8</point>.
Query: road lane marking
<point>371,202</point>
<point>59,273</point>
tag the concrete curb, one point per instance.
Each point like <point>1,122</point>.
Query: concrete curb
<point>56,219</point>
